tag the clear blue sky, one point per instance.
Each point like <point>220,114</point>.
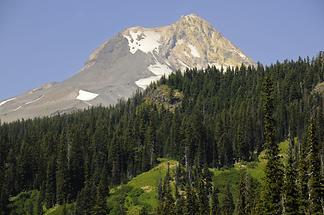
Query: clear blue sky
<point>49,40</point>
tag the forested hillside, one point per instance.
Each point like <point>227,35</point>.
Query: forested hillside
<point>210,118</point>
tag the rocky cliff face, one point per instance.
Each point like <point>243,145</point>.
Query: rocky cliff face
<point>129,61</point>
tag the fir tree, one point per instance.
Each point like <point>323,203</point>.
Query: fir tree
<point>273,170</point>
<point>166,204</point>
<point>241,206</point>
<point>315,197</point>
<point>62,177</point>
<point>291,205</point>
<point>302,178</point>
<point>228,202</point>
<point>180,205</point>
<point>50,195</point>
<point>215,208</point>
<point>202,198</point>
<point>192,207</point>
<point>100,207</point>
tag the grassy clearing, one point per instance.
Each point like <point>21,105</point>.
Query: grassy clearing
<point>255,169</point>
<point>141,192</point>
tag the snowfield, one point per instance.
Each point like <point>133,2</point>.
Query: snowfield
<point>8,100</point>
<point>146,41</point>
<point>86,96</point>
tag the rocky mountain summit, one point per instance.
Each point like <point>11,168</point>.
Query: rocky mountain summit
<point>127,62</point>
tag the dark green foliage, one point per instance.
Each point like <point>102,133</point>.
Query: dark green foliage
<point>166,202</point>
<point>315,192</point>
<point>180,206</point>
<point>191,202</point>
<point>215,207</point>
<point>86,200</point>
<point>302,178</point>
<point>228,205</point>
<point>291,201</point>
<point>242,206</point>
<point>274,173</point>
<point>62,176</point>
<point>100,207</point>
<point>50,197</point>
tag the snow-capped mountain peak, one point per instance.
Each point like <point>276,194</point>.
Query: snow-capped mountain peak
<point>131,60</point>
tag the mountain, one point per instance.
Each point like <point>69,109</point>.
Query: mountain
<point>127,62</point>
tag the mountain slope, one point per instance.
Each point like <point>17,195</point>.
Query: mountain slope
<point>129,61</point>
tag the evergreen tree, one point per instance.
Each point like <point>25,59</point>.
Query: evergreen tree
<point>39,205</point>
<point>50,195</point>
<point>86,199</point>
<point>202,198</point>
<point>273,170</point>
<point>76,161</point>
<point>62,177</point>
<point>241,206</point>
<point>100,207</point>
<point>180,206</point>
<point>192,207</point>
<point>315,197</point>
<point>291,205</point>
<point>166,204</point>
<point>302,179</point>
<point>228,202</point>
<point>215,208</point>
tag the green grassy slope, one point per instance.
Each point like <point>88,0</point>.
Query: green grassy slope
<point>139,194</point>
<point>255,169</point>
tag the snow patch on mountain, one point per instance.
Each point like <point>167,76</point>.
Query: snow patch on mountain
<point>146,40</point>
<point>158,70</point>
<point>35,100</point>
<point>6,101</point>
<point>17,108</point>
<point>193,51</point>
<point>145,82</point>
<point>183,64</point>
<point>86,96</point>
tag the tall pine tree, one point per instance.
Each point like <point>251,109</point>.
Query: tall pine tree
<point>274,173</point>
<point>315,197</point>
<point>291,203</point>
